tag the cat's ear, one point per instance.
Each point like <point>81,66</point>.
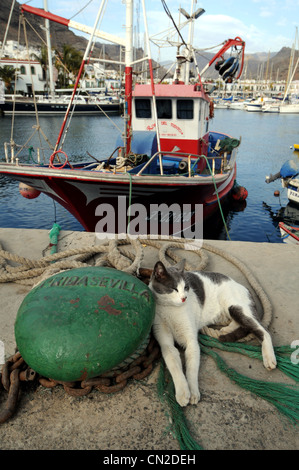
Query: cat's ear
<point>181,265</point>
<point>160,271</point>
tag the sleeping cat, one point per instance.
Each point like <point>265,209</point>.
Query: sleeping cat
<point>188,301</point>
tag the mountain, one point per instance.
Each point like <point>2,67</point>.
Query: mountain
<point>60,34</point>
<point>256,65</point>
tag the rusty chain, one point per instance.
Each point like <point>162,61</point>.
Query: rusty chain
<point>15,371</point>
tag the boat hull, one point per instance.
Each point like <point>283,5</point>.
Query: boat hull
<point>289,109</point>
<point>293,194</point>
<point>289,233</point>
<point>58,108</point>
<point>160,205</point>
<point>293,191</point>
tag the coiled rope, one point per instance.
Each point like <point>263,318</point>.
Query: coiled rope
<point>117,253</point>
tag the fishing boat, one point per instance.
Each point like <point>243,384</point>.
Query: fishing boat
<point>289,234</point>
<point>170,168</point>
<point>288,174</point>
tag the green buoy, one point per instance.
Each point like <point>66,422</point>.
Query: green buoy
<point>83,322</point>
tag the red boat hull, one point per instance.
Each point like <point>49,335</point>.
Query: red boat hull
<point>90,201</point>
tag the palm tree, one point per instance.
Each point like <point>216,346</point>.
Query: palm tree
<point>70,62</point>
<point>7,74</point>
<point>43,60</point>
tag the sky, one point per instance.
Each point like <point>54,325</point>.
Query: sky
<point>264,25</point>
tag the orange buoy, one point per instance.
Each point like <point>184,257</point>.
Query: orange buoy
<point>276,193</point>
<point>28,191</point>
<point>239,193</point>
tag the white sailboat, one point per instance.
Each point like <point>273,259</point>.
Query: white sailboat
<point>291,106</point>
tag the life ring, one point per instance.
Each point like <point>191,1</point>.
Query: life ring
<point>51,164</point>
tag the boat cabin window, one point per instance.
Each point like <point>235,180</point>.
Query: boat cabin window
<point>185,109</point>
<point>164,109</point>
<point>143,108</point>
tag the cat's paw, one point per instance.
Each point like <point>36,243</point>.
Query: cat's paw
<point>269,361</point>
<point>194,398</point>
<point>183,397</point>
<point>269,358</point>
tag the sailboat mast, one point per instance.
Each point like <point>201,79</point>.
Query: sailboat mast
<point>128,74</point>
<point>49,50</point>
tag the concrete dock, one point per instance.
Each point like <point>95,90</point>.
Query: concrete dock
<point>227,417</point>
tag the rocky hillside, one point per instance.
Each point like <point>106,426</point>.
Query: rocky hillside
<point>59,34</point>
<point>256,64</point>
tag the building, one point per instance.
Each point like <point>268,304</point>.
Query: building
<point>27,73</point>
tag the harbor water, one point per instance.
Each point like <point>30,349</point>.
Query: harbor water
<point>267,141</point>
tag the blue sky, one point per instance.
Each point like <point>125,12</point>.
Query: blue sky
<point>265,25</point>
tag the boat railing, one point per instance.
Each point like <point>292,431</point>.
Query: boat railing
<point>191,158</point>
<point>160,155</point>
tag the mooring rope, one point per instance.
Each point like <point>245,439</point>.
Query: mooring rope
<point>117,254</point>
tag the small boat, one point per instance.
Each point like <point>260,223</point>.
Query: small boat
<point>296,147</point>
<point>255,105</point>
<point>288,174</point>
<point>169,168</point>
<point>239,104</point>
<point>271,108</point>
<point>289,234</point>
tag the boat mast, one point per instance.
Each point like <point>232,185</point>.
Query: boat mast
<point>190,43</point>
<point>49,49</point>
<point>150,62</point>
<point>291,71</point>
<point>128,75</point>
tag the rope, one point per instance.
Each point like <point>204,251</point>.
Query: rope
<point>284,397</point>
<point>178,422</point>
<point>115,253</point>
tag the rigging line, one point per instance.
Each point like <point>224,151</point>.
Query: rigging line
<point>7,27</point>
<point>57,53</point>
<point>33,88</point>
<point>69,117</point>
<point>167,11</point>
<point>15,89</point>
<point>210,48</point>
<point>88,3</point>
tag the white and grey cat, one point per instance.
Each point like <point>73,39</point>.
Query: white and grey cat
<point>186,302</point>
